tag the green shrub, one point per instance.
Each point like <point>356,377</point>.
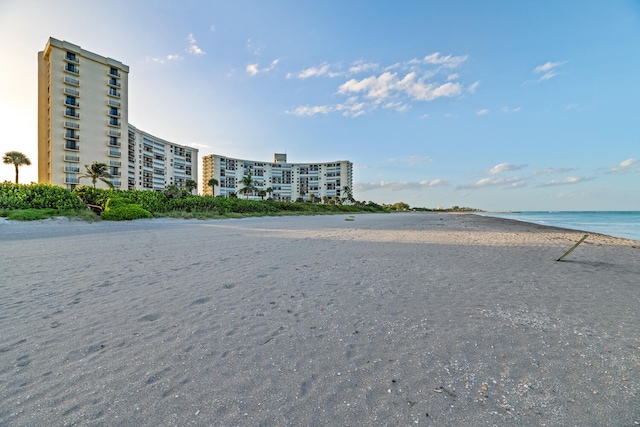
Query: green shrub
<point>125,212</point>
<point>37,196</point>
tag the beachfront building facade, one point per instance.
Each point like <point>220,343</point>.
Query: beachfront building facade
<point>288,181</point>
<point>83,118</point>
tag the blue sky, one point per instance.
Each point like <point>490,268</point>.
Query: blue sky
<point>497,105</point>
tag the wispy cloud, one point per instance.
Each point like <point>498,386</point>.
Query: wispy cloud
<point>193,48</point>
<point>510,110</point>
<point>570,180</point>
<point>548,71</point>
<point>412,160</point>
<point>198,145</point>
<point>399,186</point>
<point>505,167</point>
<point>164,59</point>
<point>390,87</point>
<point>483,112</point>
<point>514,182</point>
<point>473,87</point>
<point>253,69</point>
<point>626,166</point>
<point>552,171</point>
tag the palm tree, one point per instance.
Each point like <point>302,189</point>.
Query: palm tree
<point>190,185</point>
<point>98,171</point>
<point>269,190</point>
<point>249,185</point>
<point>262,193</point>
<point>17,159</point>
<point>347,193</point>
<point>212,183</point>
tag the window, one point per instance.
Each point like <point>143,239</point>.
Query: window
<point>71,56</point>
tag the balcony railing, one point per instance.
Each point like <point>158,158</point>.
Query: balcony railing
<point>72,125</point>
<point>115,163</point>
<point>69,104</point>
<point>113,92</point>
<point>114,83</point>
<point>114,73</point>
<point>74,169</point>
<point>113,114</point>
<point>71,180</point>
<point>71,69</point>
<point>115,173</point>
<point>115,144</point>
<point>71,81</point>
<point>114,122</point>
<point>70,158</point>
<point>71,114</point>
<point>113,103</point>
<point>69,135</point>
<point>70,58</point>
<point>114,153</point>
<point>114,133</point>
<point>70,145</point>
<point>72,92</point>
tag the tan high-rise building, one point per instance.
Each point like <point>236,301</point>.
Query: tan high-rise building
<point>83,118</point>
<point>288,181</point>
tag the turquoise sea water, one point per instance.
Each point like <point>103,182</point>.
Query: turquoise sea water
<point>613,223</point>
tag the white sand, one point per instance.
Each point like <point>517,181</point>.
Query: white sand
<point>400,319</point>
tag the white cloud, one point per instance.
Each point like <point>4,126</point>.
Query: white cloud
<point>193,47</point>
<point>253,69</point>
<point>448,61</point>
<point>505,167</point>
<point>212,28</point>
<point>311,111</point>
<point>483,112</point>
<point>413,160</point>
<point>552,171</point>
<point>472,88</point>
<point>361,67</point>
<point>548,71</point>
<point>514,182</point>
<point>510,110</point>
<point>625,166</point>
<point>567,181</point>
<point>389,87</point>
<point>164,59</point>
<point>398,186</point>
<point>198,145</point>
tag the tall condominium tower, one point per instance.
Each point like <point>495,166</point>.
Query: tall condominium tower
<point>83,118</point>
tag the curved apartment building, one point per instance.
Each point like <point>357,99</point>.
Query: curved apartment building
<point>289,181</point>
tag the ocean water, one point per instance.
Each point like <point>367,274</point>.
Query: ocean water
<point>624,224</point>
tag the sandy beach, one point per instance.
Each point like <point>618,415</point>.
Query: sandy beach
<point>372,320</point>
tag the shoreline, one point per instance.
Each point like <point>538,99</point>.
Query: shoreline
<point>389,319</point>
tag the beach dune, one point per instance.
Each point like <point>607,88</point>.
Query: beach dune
<point>389,319</point>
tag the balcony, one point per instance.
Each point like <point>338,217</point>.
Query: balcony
<point>70,113</point>
<point>114,72</point>
<point>115,163</point>
<point>71,180</point>
<point>114,133</point>
<point>115,182</point>
<point>113,103</point>
<point>74,136</point>
<point>114,93</point>
<point>113,113</point>
<point>71,145</point>
<point>71,58</point>
<point>71,81</point>
<point>114,122</point>
<point>114,83</point>
<point>115,173</point>
<point>73,169</point>
<point>70,103</point>
<point>72,92</point>
<point>70,68</point>
<point>115,144</point>
<point>114,153</point>
<point>71,158</point>
<point>71,125</point>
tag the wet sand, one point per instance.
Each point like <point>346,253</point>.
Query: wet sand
<point>387,320</point>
